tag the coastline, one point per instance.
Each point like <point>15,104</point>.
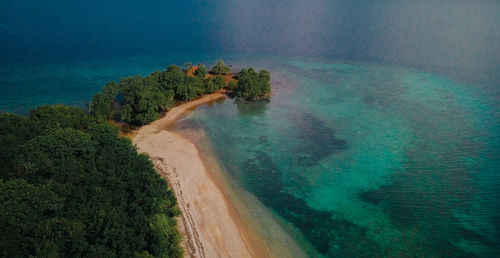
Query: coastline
<point>208,221</point>
<point>260,227</point>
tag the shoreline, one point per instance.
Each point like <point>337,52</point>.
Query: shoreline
<point>209,223</point>
<point>257,222</point>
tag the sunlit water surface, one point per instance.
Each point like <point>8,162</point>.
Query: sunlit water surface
<point>399,157</point>
<point>367,159</point>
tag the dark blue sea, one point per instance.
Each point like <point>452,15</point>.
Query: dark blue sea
<point>382,137</point>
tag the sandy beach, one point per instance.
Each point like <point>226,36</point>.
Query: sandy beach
<point>208,227</point>
<point>217,220</point>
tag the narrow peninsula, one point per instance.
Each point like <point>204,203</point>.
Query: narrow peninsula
<point>70,186</point>
<point>140,100</point>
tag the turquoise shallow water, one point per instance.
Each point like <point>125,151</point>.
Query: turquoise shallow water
<point>367,159</point>
<point>362,159</point>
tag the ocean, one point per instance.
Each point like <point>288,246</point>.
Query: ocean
<point>382,136</point>
<point>366,159</point>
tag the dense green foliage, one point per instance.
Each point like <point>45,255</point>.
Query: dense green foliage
<point>231,85</point>
<point>139,100</point>
<point>201,71</point>
<point>70,187</point>
<point>214,84</point>
<point>101,106</point>
<point>143,98</point>
<point>252,85</point>
<point>220,68</point>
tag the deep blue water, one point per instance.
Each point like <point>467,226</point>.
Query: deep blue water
<point>46,45</point>
<point>382,138</point>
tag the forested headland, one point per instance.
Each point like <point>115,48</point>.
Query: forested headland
<point>139,100</point>
<point>70,186</point>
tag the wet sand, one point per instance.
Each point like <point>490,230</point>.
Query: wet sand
<point>214,221</point>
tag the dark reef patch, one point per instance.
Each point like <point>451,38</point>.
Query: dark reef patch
<point>317,140</point>
<point>413,210</point>
<point>335,238</point>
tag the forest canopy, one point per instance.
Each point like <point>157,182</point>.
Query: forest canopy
<point>139,100</point>
<point>252,85</point>
<point>70,187</point>
<point>220,68</point>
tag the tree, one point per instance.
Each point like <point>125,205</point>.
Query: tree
<point>252,85</point>
<point>167,236</point>
<point>231,85</point>
<point>219,82</point>
<point>14,131</point>
<point>80,191</point>
<point>110,90</point>
<point>100,107</point>
<point>212,85</point>
<point>143,106</point>
<point>69,186</point>
<point>189,89</point>
<point>188,66</point>
<point>143,98</point>
<point>28,219</point>
<point>55,116</point>
<point>220,68</point>
<point>201,72</point>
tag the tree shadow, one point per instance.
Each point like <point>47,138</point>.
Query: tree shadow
<point>252,108</point>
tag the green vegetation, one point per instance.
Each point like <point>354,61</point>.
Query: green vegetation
<point>220,68</point>
<point>101,106</point>
<point>201,72</point>
<point>252,85</point>
<point>214,84</point>
<point>139,100</point>
<point>143,98</point>
<point>231,85</point>
<point>70,187</point>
